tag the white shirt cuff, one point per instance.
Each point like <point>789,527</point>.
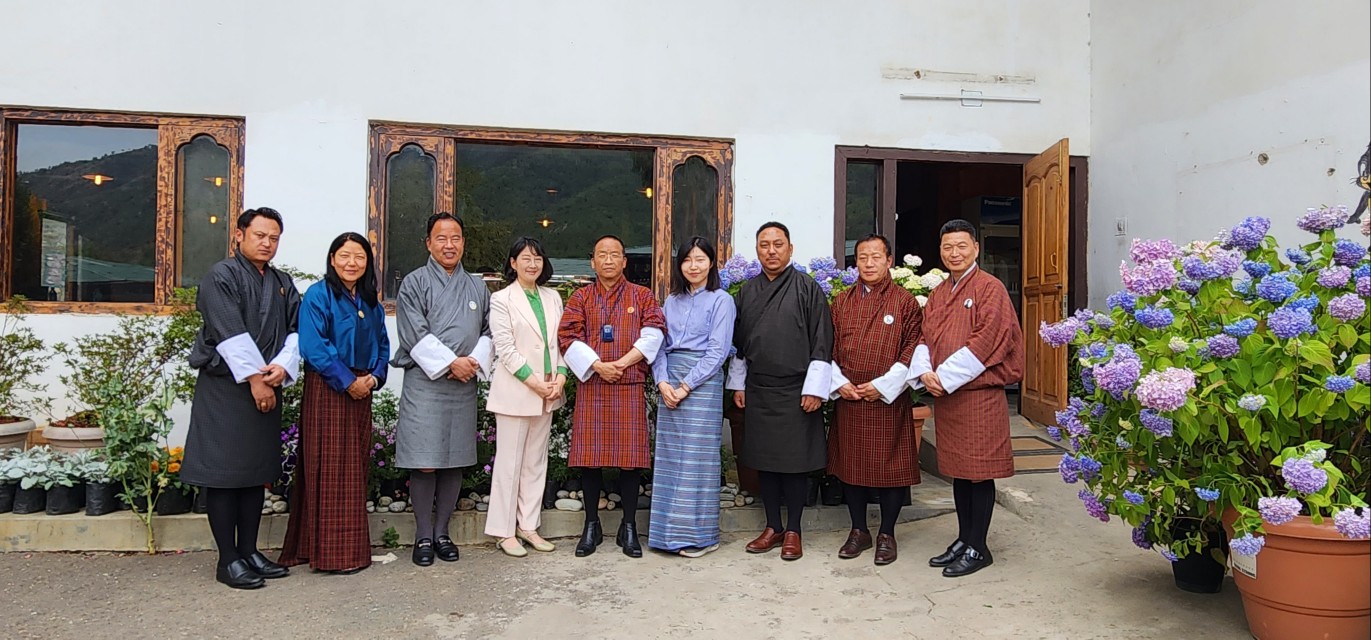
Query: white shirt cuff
<point>579,356</point>
<point>432,356</point>
<point>649,343</point>
<point>289,359</point>
<point>891,385</point>
<point>817,379</point>
<point>242,357</point>
<point>484,353</point>
<point>737,375</point>
<point>920,364</point>
<point>837,380</point>
<point>960,368</point>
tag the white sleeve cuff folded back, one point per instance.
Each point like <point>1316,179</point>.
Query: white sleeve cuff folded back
<point>579,356</point>
<point>242,357</point>
<point>960,368</point>
<point>484,353</point>
<point>920,364</point>
<point>891,385</point>
<point>649,343</point>
<point>432,356</point>
<point>737,375</point>
<point>836,381</point>
<point>289,359</point>
<point>818,379</point>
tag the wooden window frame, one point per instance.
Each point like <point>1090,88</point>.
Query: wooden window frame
<point>173,131</point>
<point>440,143</point>
<point>889,159</point>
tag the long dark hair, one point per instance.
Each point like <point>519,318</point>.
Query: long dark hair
<point>536,247</point>
<point>678,281</point>
<point>366,286</point>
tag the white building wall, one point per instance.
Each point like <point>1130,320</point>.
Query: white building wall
<point>1186,96</point>
<point>786,79</point>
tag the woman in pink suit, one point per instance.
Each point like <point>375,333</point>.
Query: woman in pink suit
<point>526,389</point>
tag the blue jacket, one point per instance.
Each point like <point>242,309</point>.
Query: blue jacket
<point>338,335</point>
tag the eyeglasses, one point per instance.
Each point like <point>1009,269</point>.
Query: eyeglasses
<point>608,256</point>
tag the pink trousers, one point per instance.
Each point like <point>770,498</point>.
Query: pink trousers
<point>519,475</point>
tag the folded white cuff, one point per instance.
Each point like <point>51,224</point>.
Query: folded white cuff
<point>289,359</point>
<point>920,364</point>
<point>817,379</point>
<point>891,385</point>
<point>737,375</point>
<point>432,356</point>
<point>242,357</point>
<point>579,356</point>
<point>959,368</point>
<point>484,353</point>
<point>649,343</point>
<point>836,381</point>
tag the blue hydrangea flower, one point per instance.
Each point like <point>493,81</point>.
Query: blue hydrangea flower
<point>1122,443</point>
<point>1247,545</point>
<point>1308,303</point>
<point>1363,270</point>
<point>1339,384</point>
<point>850,276</point>
<point>1070,471</point>
<point>1290,322</point>
<point>1122,300</point>
<point>1133,497</point>
<point>1302,476</point>
<point>1276,287</point>
<point>1103,321</point>
<point>1097,410</point>
<point>1140,538</point>
<point>1297,256</point>
<point>1090,467</point>
<point>1223,346</point>
<point>1088,379</point>
<point>1249,233</point>
<point>1347,252</point>
<point>1154,317</point>
<point>1241,328</point>
<point>1169,555</point>
<point>1156,423</point>
<point>1206,494</point>
<point>1363,373</point>
<point>1252,402</point>
<point>1055,433</point>
<point>1189,286</point>
<point>1256,269</point>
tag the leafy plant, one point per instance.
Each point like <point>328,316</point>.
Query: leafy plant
<point>390,538</point>
<point>92,465</point>
<point>133,431</point>
<point>21,361</point>
<point>38,467</point>
<point>385,414</point>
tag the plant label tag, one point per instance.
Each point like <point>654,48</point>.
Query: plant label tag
<point>1247,565</point>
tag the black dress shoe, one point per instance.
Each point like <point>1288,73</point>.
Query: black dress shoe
<point>628,539</point>
<point>346,572</point>
<point>447,551</point>
<point>953,552</point>
<point>239,575</point>
<point>423,552</point>
<point>970,562</point>
<point>591,537</point>
<point>265,567</point>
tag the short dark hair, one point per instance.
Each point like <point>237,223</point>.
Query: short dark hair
<point>443,215</point>
<point>536,247</point>
<point>955,226</point>
<point>885,242</point>
<point>774,225</point>
<point>678,281</point>
<point>608,236</point>
<point>260,212</point>
<point>366,286</point>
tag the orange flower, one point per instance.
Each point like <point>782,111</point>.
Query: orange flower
<point>156,467</point>
<point>174,467</point>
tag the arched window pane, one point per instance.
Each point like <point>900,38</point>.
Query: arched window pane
<point>410,178</point>
<point>202,207</point>
<point>862,185</point>
<point>694,201</point>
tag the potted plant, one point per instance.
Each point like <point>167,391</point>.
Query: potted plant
<point>31,469</point>
<point>66,492</point>
<point>173,496</point>
<point>92,466</point>
<point>1227,386</point>
<point>133,431</point>
<point>9,477</point>
<point>21,362</point>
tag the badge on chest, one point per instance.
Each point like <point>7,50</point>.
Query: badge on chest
<point>607,333</point>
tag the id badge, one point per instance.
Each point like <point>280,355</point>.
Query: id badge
<point>607,333</point>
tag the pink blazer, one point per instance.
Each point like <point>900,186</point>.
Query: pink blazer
<point>518,342</point>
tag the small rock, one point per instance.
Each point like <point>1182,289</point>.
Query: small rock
<point>273,497</point>
<point>732,486</point>
<point>603,503</point>
<point>266,504</point>
<point>370,503</point>
<point>409,508</point>
<point>481,506</point>
<point>279,507</point>
<point>371,508</point>
<point>648,493</point>
<point>614,497</point>
<point>398,506</point>
<point>609,505</point>
<point>466,504</point>
<point>568,504</point>
<point>385,501</point>
<point>485,499</point>
<point>576,495</point>
<point>744,493</point>
<point>641,490</point>
<point>725,504</point>
<point>740,501</point>
<point>563,493</point>
<point>475,497</point>
<point>749,499</point>
<point>266,511</point>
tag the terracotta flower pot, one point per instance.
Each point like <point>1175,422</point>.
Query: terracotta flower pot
<point>1310,582</point>
<point>922,412</point>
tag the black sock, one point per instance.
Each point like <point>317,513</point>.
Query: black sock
<point>855,497</point>
<point>449,489</point>
<point>628,492</point>
<point>796,489</point>
<point>891,499</point>
<point>592,482</point>
<point>222,508</point>
<point>249,519</point>
<point>961,497</point>
<point>421,488</point>
<point>771,498</point>
<point>982,507</point>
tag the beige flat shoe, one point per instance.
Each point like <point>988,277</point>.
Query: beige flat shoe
<point>512,548</point>
<point>535,540</point>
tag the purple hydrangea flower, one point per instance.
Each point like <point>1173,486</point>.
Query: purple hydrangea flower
<point>850,276</point>
<point>1122,300</point>
<point>1256,269</point>
<point>1069,418</point>
<point>1132,497</point>
<point>1088,379</point>
<point>1334,277</point>
<point>1060,333</point>
<point>1122,443</point>
<point>1297,256</point>
<point>1289,322</point>
<point>1090,467</point>
<point>1097,349</point>
<point>1276,287</point>
<point>1362,270</point>
<point>752,270</point>
<point>1222,263</point>
<point>1166,390</point>
<point>1308,303</point>
<point>1364,286</point>
<point>1148,278</point>
<point>1302,476</point>
<point>1071,472</point>
<point>1223,346</point>
<point>1093,506</point>
<point>1352,524</point>
<point>1103,321</point>
<point>1363,373</point>
<point>1178,344</point>
<point>1169,555</point>
<point>1140,538</point>
<point>1153,250</point>
<point>1075,445</point>
<point>1278,510</point>
<point>1189,286</point>
<point>1206,494</point>
<point>1120,373</point>
<point>1323,219</point>
<point>1097,410</point>
<point>1249,233</point>
<point>1347,252</point>
<point>1241,328</point>
<point>1154,317</point>
<point>1243,287</point>
<point>1252,402</point>
<point>1339,384</point>
<point>1347,307</point>
<point>1158,424</point>
<point>1247,545</point>
<point>1055,433</point>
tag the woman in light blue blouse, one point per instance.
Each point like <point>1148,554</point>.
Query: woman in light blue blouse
<point>345,348</point>
<point>689,375</point>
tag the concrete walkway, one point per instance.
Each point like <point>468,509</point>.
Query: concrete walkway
<point>1058,574</point>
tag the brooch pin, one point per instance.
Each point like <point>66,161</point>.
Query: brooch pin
<point>889,319</point>
<point>630,310</point>
<point>967,304</point>
<point>472,305</point>
<point>361,314</point>
<point>283,291</point>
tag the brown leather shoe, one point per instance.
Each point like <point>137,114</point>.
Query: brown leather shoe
<point>886,551</point>
<point>791,549</point>
<point>857,542</point>
<point>769,540</point>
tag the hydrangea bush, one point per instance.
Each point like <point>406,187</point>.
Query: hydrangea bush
<point>833,280</point>
<point>1225,374</point>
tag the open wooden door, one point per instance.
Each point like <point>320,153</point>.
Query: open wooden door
<point>1046,196</point>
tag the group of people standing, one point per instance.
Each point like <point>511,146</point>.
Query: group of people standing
<point>786,354</point>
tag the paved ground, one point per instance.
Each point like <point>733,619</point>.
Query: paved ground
<point>1058,574</point>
